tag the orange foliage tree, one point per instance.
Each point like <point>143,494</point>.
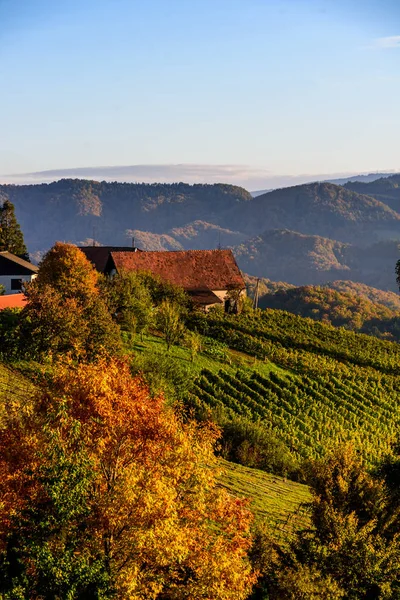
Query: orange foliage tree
<point>108,494</point>
<point>66,312</point>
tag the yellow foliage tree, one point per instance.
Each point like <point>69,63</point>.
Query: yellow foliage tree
<point>66,312</point>
<point>153,516</point>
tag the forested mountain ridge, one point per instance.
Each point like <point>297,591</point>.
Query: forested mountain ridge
<point>385,189</point>
<point>291,256</point>
<point>325,231</point>
<point>322,209</point>
<point>69,209</point>
<point>299,259</point>
<point>197,235</point>
<point>72,209</point>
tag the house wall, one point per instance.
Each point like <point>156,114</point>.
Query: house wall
<point>223,295</point>
<point>5,280</point>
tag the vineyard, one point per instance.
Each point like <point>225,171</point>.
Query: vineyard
<point>336,385</point>
<point>309,415</point>
<point>299,343</point>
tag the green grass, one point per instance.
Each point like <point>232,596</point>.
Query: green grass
<point>153,344</point>
<point>273,499</point>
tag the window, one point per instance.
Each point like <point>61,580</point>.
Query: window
<point>16,284</point>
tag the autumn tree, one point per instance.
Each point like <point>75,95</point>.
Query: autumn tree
<point>11,237</point>
<point>106,494</point>
<point>65,310</point>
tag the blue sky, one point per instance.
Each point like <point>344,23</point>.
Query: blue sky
<point>234,90</point>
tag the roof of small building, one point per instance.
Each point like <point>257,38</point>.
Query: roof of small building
<point>190,269</point>
<point>12,301</point>
<point>98,255</point>
<point>204,297</point>
<point>14,265</point>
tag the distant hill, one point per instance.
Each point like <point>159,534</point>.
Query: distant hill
<point>386,298</point>
<point>146,240</point>
<point>385,189</point>
<point>74,209</point>
<point>294,257</point>
<point>338,181</point>
<point>298,259</point>
<point>362,178</point>
<point>198,235</point>
<point>341,309</point>
<point>322,209</point>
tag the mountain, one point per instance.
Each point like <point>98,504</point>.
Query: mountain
<point>74,210</point>
<point>299,259</point>
<point>322,209</point>
<point>338,181</point>
<point>385,189</point>
<point>146,240</point>
<point>306,234</point>
<point>198,235</point>
<point>194,215</point>
<point>294,257</point>
<point>362,178</point>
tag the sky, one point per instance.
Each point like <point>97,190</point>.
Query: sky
<point>243,91</point>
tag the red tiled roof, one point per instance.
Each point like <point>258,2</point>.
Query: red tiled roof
<point>12,301</point>
<point>190,269</point>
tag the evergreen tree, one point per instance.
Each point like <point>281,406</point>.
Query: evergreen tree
<point>11,237</point>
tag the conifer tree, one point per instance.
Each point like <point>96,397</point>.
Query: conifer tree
<point>11,237</point>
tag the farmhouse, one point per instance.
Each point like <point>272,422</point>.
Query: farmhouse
<point>210,277</point>
<point>14,272</point>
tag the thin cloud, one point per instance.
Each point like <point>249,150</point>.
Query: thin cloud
<point>391,41</point>
<point>190,173</point>
<point>251,178</point>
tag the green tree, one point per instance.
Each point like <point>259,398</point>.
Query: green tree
<point>130,302</point>
<point>193,341</point>
<point>349,543</point>
<point>170,322</point>
<point>11,237</point>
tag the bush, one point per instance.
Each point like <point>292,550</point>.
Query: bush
<point>163,373</point>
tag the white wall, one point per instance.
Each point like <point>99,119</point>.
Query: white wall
<point>5,280</point>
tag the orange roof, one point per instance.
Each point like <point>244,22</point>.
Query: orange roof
<point>12,301</point>
<point>190,269</point>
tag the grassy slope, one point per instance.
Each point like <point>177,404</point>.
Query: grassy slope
<point>155,345</point>
<point>273,498</point>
